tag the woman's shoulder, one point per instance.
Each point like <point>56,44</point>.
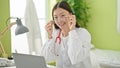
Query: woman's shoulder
<point>82,33</point>
<point>82,30</point>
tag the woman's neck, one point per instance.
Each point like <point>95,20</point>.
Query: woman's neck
<point>65,32</point>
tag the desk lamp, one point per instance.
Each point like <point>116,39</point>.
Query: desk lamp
<point>20,29</point>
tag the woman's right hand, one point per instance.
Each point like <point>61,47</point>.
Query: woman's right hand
<point>49,28</point>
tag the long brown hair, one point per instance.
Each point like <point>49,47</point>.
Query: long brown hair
<point>63,5</point>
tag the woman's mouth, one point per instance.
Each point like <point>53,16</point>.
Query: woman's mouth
<point>62,24</point>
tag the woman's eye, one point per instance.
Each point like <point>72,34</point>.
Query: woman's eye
<point>63,15</point>
<point>55,17</point>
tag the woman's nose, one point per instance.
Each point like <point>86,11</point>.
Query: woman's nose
<point>60,20</point>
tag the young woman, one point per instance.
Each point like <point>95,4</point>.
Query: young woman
<point>68,43</point>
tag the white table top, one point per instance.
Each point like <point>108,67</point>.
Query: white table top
<point>49,66</point>
<point>8,67</point>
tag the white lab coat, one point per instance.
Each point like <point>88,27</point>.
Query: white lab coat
<point>72,52</point>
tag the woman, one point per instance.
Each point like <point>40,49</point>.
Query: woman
<point>68,44</point>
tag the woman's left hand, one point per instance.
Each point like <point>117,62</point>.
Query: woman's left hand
<point>72,22</point>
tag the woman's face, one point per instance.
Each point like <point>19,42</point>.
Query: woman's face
<point>61,18</point>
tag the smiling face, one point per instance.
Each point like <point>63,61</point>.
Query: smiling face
<point>61,18</point>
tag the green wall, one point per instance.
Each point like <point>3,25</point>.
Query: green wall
<point>103,24</point>
<point>50,5</point>
<point>4,14</point>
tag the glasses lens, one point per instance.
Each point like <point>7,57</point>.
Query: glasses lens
<point>61,19</point>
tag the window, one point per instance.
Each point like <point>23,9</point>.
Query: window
<point>17,9</point>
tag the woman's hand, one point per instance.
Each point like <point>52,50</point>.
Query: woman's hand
<point>72,22</point>
<point>49,28</point>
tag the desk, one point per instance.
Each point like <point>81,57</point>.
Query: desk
<point>9,67</point>
<point>49,66</point>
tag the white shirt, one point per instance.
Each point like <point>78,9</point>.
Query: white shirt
<point>72,52</point>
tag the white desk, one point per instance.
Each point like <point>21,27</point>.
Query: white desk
<point>9,67</point>
<point>49,66</point>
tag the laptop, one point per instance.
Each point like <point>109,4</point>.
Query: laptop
<point>29,61</point>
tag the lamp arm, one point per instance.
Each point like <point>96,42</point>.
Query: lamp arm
<point>4,54</point>
<point>7,28</point>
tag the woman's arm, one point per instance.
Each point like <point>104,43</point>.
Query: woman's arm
<point>49,48</point>
<point>47,52</point>
<point>78,45</point>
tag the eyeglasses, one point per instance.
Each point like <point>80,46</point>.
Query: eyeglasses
<point>62,18</point>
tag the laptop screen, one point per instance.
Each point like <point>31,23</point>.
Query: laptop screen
<point>29,61</point>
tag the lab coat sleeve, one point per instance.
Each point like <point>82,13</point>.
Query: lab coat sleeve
<point>78,45</point>
<point>47,51</point>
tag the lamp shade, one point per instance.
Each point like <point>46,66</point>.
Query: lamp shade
<point>20,29</point>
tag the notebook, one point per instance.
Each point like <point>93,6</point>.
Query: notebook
<point>29,61</point>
